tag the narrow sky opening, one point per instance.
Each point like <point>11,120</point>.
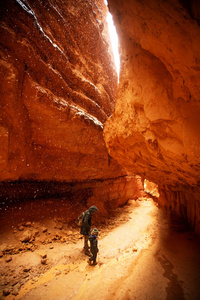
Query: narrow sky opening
<point>114,42</point>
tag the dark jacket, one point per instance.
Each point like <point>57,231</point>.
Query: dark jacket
<point>85,228</point>
<point>93,244</point>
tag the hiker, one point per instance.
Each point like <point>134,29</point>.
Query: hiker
<point>86,226</point>
<point>93,246</point>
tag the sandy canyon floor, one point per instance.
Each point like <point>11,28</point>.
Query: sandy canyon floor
<point>142,255</point>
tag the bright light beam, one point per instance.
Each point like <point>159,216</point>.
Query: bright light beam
<point>114,42</point>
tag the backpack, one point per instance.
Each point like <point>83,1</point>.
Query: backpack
<point>80,219</point>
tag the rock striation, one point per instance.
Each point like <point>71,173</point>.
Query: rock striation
<point>154,131</point>
<point>58,85</point>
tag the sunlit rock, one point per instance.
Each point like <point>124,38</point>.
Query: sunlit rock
<point>151,188</point>
<point>154,131</point>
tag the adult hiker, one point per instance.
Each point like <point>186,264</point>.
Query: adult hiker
<point>86,226</point>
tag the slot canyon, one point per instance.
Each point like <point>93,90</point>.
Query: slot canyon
<point>73,135</point>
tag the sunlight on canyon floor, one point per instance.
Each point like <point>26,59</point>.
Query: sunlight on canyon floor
<point>140,257</point>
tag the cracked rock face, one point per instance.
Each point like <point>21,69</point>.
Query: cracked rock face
<point>154,131</point>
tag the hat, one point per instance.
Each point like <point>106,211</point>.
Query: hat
<point>95,231</point>
<point>93,209</point>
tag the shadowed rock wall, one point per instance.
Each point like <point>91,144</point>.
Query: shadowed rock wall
<point>154,131</point>
<point>58,86</point>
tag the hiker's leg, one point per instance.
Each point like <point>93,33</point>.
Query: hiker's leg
<point>91,258</point>
<point>94,257</point>
<point>86,246</point>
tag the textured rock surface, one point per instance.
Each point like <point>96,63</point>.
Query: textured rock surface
<point>154,131</point>
<point>58,85</point>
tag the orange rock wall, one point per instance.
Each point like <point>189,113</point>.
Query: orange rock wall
<point>154,131</point>
<point>57,89</point>
<point>58,85</point>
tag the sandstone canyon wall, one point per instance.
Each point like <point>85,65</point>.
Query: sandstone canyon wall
<point>58,85</point>
<point>154,131</point>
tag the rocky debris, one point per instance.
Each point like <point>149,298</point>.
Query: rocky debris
<point>43,229</point>
<point>8,258</point>
<point>35,232</point>
<point>42,253</point>
<point>14,282</point>
<point>27,224</point>
<point>6,292</point>
<point>6,281</point>
<point>57,273</point>
<point>67,269</point>
<point>43,256</point>
<point>69,232</point>
<point>27,236</point>
<point>59,226</point>
<point>13,279</point>
<point>58,219</point>
<point>18,248</point>
<point>26,269</point>
<point>48,241</point>
<point>21,228</point>
<point>15,292</point>
<point>63,239</point>
<point>44,261</point>
<point>8,249</point>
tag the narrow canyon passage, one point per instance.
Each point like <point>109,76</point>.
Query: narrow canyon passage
<point>73,134</point>
<point>141,256</point>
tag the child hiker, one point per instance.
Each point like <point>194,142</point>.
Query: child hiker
<point>93,246</point>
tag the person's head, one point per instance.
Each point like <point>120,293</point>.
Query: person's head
<point>95,231</point>
<point>93,209</point>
